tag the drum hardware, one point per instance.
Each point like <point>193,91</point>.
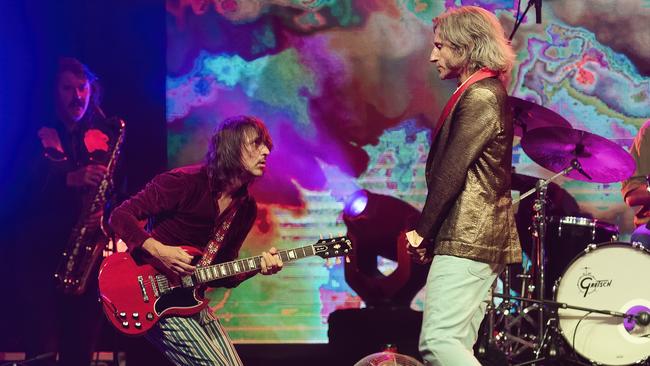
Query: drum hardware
<point>516,338</point>
<point>507,327</point>
<point>513,336</point>
<point>550,345</point>
<point>563,305</point>
<point>577,155</point>
<point>539,243</point>
<point>539,235</point>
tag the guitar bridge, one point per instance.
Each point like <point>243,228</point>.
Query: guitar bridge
<point>145,297</point>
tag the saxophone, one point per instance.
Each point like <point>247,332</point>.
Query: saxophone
<point>87,245</point>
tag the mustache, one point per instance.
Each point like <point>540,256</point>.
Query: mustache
<point>76,102</point>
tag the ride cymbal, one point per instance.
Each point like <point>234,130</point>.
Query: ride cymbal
<point>556,148</point>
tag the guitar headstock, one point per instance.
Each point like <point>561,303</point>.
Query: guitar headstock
<point>333,247</point>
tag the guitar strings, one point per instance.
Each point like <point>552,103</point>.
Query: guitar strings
<point>256,259</point>
<point>148,282</point>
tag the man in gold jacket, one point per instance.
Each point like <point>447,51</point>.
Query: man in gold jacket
<point>467,225</point>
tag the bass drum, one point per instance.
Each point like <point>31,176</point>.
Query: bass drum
<point>609,276</point>
<point>568,236</point>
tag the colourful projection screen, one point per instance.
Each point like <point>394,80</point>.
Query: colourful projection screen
<point>349,96</point>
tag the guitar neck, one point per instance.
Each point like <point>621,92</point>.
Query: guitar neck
<point>246,265</point>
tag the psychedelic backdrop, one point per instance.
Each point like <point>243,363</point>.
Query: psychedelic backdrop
<point>348,94</point>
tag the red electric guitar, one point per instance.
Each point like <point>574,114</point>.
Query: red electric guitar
<point>135,294</point>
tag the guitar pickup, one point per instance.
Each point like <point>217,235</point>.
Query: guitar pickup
<point>153,286</point>
<point>145,297</point>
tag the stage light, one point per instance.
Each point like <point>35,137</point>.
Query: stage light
<point>376,224</point>
<point>381,272</point>
<point>356,204</point>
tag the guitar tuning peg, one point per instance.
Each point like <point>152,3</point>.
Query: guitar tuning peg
<point>331,236</point>
<point>347,259</point>
<point>338,260</point>
<point>321,236</point>
<point>327,262</point>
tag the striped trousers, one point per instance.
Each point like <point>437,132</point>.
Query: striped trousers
<point>196,340</point>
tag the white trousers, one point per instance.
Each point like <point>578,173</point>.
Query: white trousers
<point>456,295</point>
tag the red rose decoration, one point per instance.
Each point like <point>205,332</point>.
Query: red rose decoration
<point>95,140</point>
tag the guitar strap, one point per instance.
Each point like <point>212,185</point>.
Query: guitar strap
<point>220,230</point>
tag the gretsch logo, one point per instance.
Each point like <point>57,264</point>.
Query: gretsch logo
<point>588,283</point>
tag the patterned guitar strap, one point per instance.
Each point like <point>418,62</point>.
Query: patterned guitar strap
<point>219,234</point>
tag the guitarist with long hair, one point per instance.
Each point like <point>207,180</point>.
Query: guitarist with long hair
<point>208,207</point>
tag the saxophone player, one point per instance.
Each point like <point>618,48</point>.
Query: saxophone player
<point>74,149</point>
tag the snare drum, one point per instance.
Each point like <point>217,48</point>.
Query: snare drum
<point>610,276</point>
<point>567,236</point>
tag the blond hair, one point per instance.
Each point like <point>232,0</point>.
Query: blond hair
<point>476,35</point>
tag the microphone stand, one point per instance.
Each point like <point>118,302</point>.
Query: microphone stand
<point>563,305</point>
<point>519,20</point>
<point>643,320</point>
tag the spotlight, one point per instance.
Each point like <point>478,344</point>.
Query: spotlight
<point>376,225</point>
<point>356,204</point>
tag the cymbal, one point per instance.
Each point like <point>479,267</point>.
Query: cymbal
<point>529,116</point>
<point>554,148</point>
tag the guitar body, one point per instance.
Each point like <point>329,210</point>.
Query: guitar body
<point>135,295</point>
<point>134,299</point>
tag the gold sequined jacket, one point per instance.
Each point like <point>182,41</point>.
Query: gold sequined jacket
<point>468,211</point>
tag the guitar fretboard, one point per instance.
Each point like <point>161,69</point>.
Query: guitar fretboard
<point>233,268</point>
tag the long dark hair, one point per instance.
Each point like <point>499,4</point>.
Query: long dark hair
<point>223,160</point>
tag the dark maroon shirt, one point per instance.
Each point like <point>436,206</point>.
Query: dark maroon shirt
<point>184,210</point>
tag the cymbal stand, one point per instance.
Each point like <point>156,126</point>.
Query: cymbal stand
<point>516,340</point>
<point>539,235</point>
<point>575,164</point>
<point>509,324</point>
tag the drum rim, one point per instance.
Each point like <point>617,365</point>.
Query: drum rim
<point>588,222</point>
<point>592,247</point>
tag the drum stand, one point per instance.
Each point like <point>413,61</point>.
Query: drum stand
<point>508,327</point>
<point>513,338</point>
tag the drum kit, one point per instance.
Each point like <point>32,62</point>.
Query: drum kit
<point>581,297</point>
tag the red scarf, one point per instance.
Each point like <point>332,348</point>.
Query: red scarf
<point>481,74</point>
